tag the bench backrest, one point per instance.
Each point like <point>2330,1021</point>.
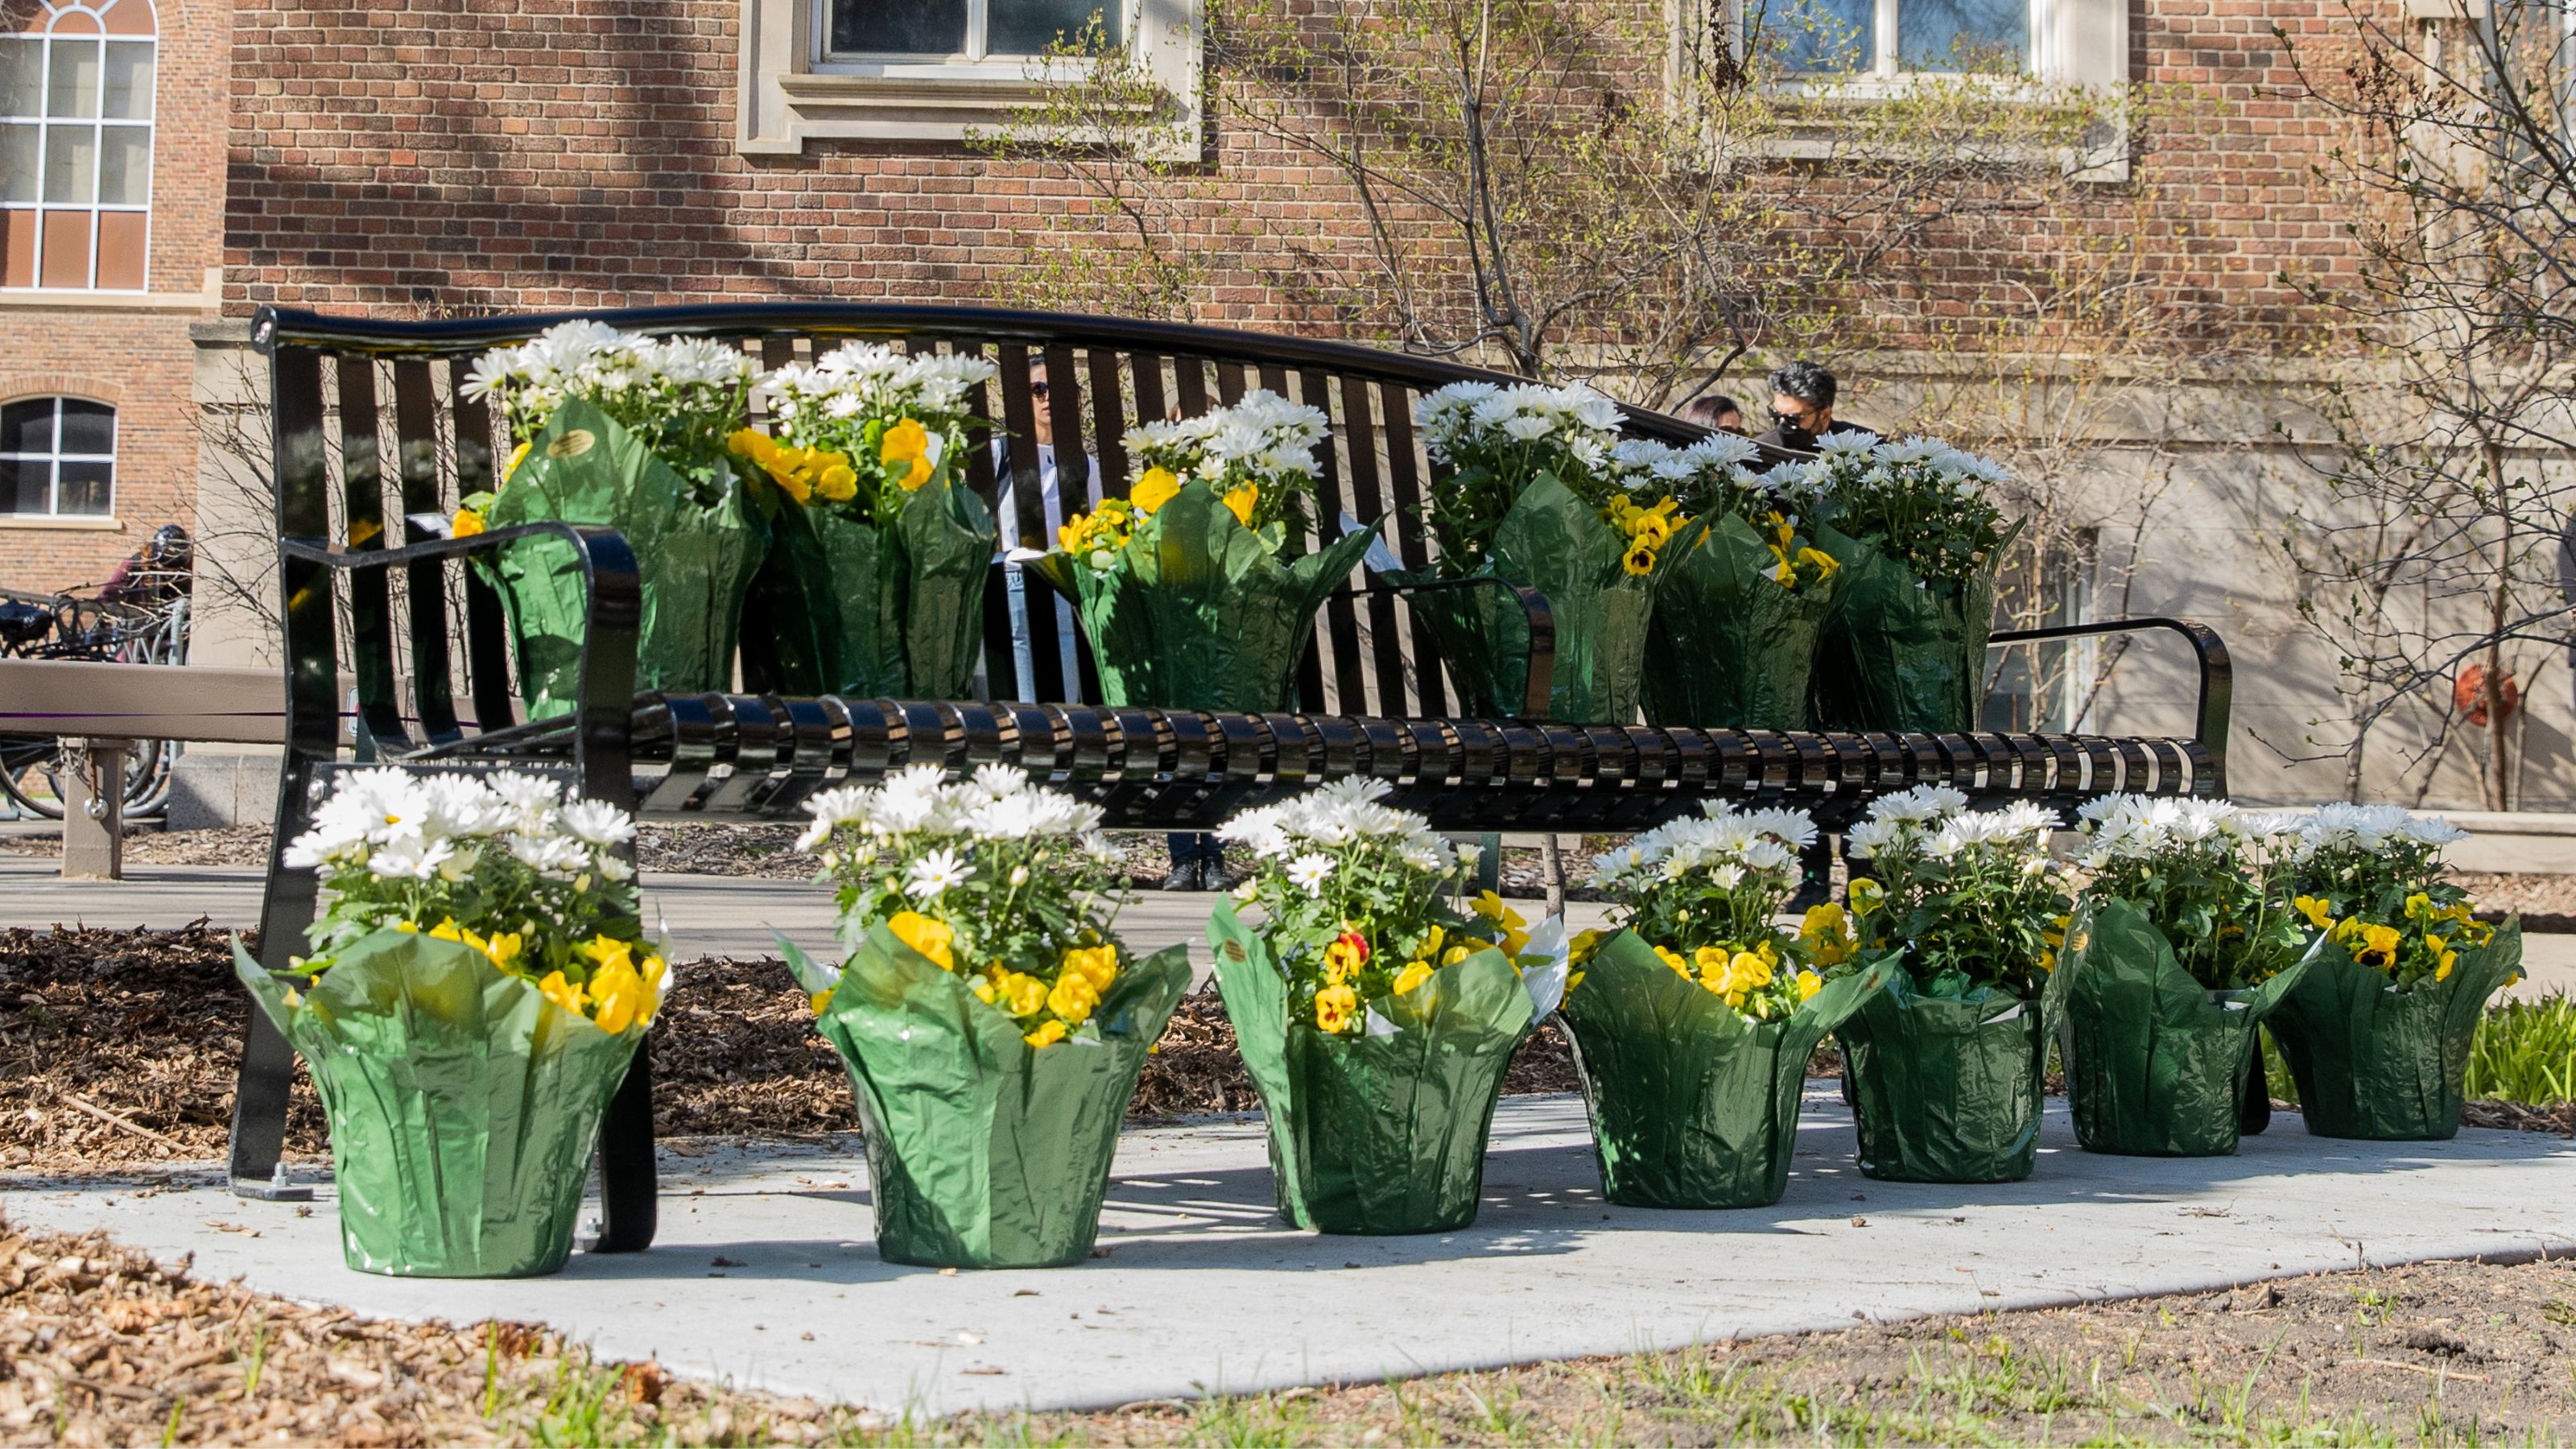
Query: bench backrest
<point>382,401</point>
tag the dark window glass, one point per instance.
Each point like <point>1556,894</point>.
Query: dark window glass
<point>1962,35</point>
<point>901,27</point>
<point>22,485</point>
<point>1819,35</point>
<point>27,427</point>
<point>88,427</point>
<point>1032,27</point>
<point>85,488</point>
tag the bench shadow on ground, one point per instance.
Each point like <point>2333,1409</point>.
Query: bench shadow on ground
<point>1543,1200</point>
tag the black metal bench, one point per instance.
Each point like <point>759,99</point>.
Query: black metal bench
<point>434,686</point>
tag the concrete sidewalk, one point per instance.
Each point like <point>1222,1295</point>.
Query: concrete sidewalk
<point>767,1273</point>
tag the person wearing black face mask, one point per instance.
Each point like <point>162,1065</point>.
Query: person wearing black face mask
<point>1802,410</point>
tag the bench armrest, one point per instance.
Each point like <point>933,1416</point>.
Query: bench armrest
<point>600,743</point>
<point>2217,673</point>
<point>1535,609</point>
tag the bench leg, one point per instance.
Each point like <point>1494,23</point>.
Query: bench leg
<point>629,1194</point>
<point>2256,1114</point>
<point>94,811</point>
<point>261,1087</point>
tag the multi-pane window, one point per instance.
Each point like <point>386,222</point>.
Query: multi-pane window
<point>1888,38</point>
<point>57,458</point>
<point>76,146</point>
<point>969,29</point>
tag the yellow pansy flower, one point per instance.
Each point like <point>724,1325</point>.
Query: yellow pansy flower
<point>503,947</point>
<point>466,524</point>
<point>1413,975</point>
<point>1095,964</point>
<point>517,456</point>
<point>1155,489</point>
<point>908,443</point>
<point>1073,998</point>
<point>1866,895</point>
<point>608,952</point>
<point>1022,994</point>
<point>617,997</point>
<point>1335,1006</point>
<point>2320,913</point>
<point>1809,983</point>
<point>1583,945</point>
<point>1242,501</point>
<point>561,992</point>
<point>838,482</point>
<point>1639,560</point>
<point>928,937</point>
<point>1674,959</point>
<point>1047,1034</point>
<point>2378,946</point>
<point>821,1001</point>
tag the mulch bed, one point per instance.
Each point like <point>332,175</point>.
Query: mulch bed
<point>118,1048</point>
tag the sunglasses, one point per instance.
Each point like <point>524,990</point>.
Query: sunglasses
<point>1037,389</point>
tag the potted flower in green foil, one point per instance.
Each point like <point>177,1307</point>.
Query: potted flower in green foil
<point>2378,1033</point>
<point>1945,1064</point>
<point>1196,590</point>
<point>875,586</point>
<point>1743,593</point>
<point>2176,953</point>
<point>1527,497</point>
<point>625,432</point>
<point>1375,1018</point>
<point>992,1024</point>
<point>1692,1020</point>
<point>1920,536</point>
<point>477,987</point>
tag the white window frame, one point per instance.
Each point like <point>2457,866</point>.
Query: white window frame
<point>54,460</point>
<point>2070,42</point>
<point>89,211</point>
<point>794,91</point>
<point>2073,43</point>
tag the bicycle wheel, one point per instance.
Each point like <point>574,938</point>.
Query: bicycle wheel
<point>21,757</point>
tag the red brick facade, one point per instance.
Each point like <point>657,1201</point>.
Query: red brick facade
<point>128,349</point>
<point>581,154</point>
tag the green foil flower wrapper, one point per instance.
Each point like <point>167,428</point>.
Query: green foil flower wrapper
<point>1732,647</point>
<point>1385,1133</point>
<point>1945,1089</point>
<point>2387,1065</point>
<point>1202,615</point>
<point>2155,1061</point>
<point>854,608</point>
<point>983,1151</point>
<point>695,560</point>
<point>1901,652</point>
<point>463,1104</point>
<point>1556,543</point>
<point>1692,1105</point>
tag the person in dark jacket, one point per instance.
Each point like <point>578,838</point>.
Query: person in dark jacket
<point>1802,410</point>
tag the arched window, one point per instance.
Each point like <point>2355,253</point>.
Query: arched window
<point>76,146</point>
<point>57,458</point>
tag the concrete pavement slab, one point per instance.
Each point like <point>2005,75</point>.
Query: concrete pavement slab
<point>766,1273</point>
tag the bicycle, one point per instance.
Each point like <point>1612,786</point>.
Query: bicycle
<point>66,626</point>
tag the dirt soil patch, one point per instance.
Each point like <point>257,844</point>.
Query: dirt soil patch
<point>119,1047</point>
<point>101,1345</point>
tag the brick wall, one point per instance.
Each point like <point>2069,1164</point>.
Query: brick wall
<point>579,153</point>
<point>137,357</point>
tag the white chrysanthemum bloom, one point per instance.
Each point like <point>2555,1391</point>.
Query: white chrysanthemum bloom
<point>408,857</point>
<point>1260,831</point>
<point>1869,837</point>
<point>598,823</point>
<point>1922,803</point>
<point>1308,872</point>
<point>930,877</point>
<point>555,857</point>
<point>998,780</point>
<point>2434,830</point>
<point>1834,444</point>
<point>830,809</point>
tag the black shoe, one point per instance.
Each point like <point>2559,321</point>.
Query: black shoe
<point>1186,876</point>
